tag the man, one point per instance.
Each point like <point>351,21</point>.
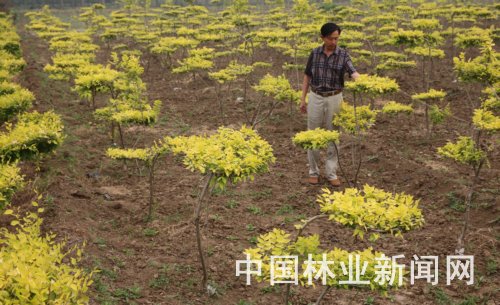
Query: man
<point>324,74</point>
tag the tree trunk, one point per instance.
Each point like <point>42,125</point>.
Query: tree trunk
<point>198,231</point>
<point>151,188</point>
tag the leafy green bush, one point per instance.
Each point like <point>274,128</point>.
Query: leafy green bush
<point>438,115</point>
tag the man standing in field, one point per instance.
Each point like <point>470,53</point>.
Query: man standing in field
<point>324,74</point>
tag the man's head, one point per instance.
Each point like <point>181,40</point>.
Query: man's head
<point>330,33</point>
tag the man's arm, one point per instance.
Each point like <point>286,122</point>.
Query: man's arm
<point>305,88</point>
<point>350,68</point>
<point>305,83</point>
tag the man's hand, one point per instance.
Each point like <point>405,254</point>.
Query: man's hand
<point>303,106</point>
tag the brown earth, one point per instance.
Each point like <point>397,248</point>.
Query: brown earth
<point>89,197</point>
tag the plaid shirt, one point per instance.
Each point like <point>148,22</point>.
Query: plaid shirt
<point>327,73</point>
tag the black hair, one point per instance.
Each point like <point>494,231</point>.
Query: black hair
<point>329,28</point>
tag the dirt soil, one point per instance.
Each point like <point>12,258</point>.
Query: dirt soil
<point>91,198</point>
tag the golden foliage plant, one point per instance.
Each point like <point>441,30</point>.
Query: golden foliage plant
<point>372,209</point>
<point>34,134</point>
<point>463,151</point>
<point>231,155</point>
<point>350,115</point>
<point>37,270</point>
<point>395,107</point>
<point>11,180</point>
<point>316,138</point>
<point>279,243</point>
<point>373,85</point>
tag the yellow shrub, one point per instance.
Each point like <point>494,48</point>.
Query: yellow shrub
<point>33,268</point>
<point>372,209</point>
<point>278,243</point>
<point>394,107</point>
<point>364,118</point>
<point>34,134</point>
<point>316,139</point>
<point>231,155</point>
<point>10,181</point>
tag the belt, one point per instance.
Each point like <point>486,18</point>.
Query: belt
<point>326,94</point>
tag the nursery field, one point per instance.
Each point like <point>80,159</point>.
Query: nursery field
<point>143,179</point>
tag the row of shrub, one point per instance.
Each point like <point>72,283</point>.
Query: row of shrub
<point>34,269</point>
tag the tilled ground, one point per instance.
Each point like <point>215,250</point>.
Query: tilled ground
<point>89,197</point>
